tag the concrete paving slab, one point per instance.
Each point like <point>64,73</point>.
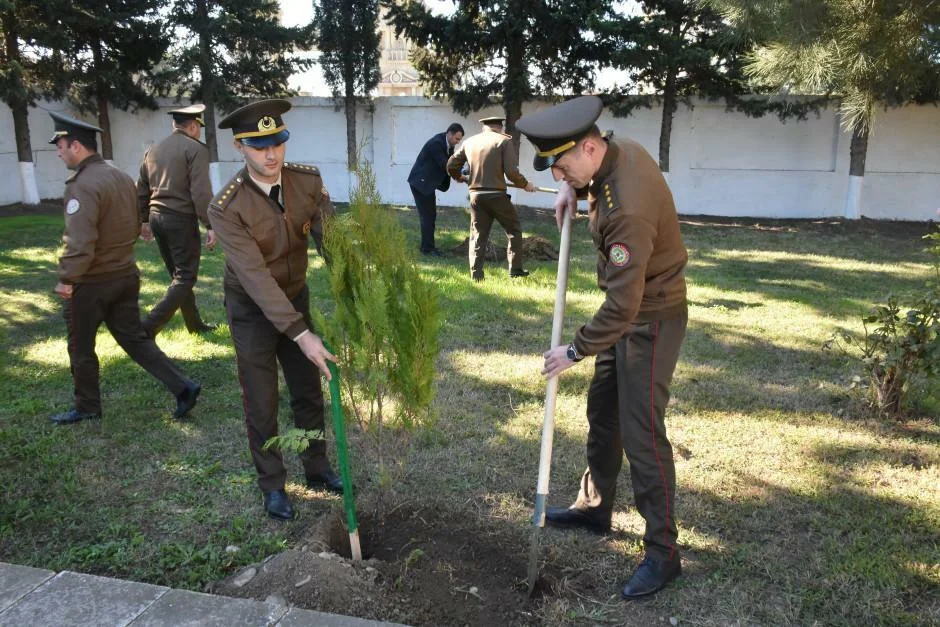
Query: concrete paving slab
<point>182,608</point>
<point>18,581</point>
<point>308,618</point>
<point>72,599</point>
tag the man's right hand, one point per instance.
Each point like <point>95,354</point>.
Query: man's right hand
<point>530,186</point>
<point>567,198</point>
<point>313,349</point>
<point>145,233</point>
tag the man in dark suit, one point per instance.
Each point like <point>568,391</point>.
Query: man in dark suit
<point>428,174</point>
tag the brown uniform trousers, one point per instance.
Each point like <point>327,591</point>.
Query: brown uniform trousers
<point>626,408</point>
<point>113,302</point>
<point>484,209</point>
<point>259,347</point>
<point>174,189</point>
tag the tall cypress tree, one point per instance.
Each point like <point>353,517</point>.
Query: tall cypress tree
<point>348,42</point>
<point>114,44</point>
<point>507,52</point>
<point>230,50</point>
<point>24,78</point>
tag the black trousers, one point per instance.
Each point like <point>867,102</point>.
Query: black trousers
<point>626,409</point>
<point>427,216</point>
<point>113,302</point>
<point>484,209</point>
<point>259,347</point>
<point>177,237</point>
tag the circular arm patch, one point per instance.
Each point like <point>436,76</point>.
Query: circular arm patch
<point>72,206</point>
<point>619,255</point>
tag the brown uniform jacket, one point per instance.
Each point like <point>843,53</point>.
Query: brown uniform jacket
<point>492,158</point>
<point>641,258</point>
<point>174,177</point>
<point>266,248</point>
<point>101,224</point>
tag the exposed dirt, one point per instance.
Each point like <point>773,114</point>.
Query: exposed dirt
<point>45,207</point>
<point>419,569</point>
<point>533,247</point>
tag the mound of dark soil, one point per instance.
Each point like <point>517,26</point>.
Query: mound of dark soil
<point>533,247</point>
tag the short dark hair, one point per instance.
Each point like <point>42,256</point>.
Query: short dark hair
<point>455,128</point>
<point>91,143</point>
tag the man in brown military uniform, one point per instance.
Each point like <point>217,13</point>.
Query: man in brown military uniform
<point>262,219</point>
<point>635,334</point>
<point>492,158</point>
<point>98,276</point>
<point>173,191</point>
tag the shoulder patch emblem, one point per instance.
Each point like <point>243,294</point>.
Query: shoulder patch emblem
<point>72,207</point>
<point>619,255</point>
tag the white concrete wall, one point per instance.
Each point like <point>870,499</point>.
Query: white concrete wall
<point>721,163</point>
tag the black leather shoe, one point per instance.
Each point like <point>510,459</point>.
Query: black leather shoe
<point>277,505</point>
<point>573,517</point>
<point>203,327</point>
<point>516,274</point>
<point>326,479</point>
<point>477,277</point>
<point>651,576</point>
<point>73,415</point>
<point>187,400</point>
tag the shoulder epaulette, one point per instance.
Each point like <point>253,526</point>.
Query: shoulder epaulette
<point>302,167</point>
<point>507,135</point>
<point>224,197</point>
<point>609,194</point>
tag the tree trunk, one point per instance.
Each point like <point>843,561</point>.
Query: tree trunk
<point>352,159</point>
<point>514,87</point>
<point>207,79</point>
<point>101,94</point>
<point>858,152</point>
<point>669,112</point>
<point>19,107</point>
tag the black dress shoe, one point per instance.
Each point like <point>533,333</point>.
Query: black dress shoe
<point>73,415</point>
<point>573,517</point>
<point>651,576</point>
<point>516,274</point>
<point>326,479</point>
<point>478,277</point>
<point>186,400</point>
<point>277,505</point>
<point>203,327</point>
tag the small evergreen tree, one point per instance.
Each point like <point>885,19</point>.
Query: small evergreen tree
<point>348,42</point>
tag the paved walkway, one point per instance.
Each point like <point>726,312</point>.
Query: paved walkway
<point>32,596</point>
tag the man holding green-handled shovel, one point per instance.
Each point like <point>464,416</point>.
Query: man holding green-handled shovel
<point>636,333</point>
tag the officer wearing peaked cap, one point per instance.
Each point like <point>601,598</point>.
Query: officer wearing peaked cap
<point>98,277</point>
<point>492,158</point>
<point>636,333</point>
<point>262,219</point>
<point>173,194</point>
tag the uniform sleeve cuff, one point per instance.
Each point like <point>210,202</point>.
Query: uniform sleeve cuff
<point>296,330</point>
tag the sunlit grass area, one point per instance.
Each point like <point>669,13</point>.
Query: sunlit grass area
<point>793,506</point>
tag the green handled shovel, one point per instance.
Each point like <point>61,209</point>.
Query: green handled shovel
<point>342,454</point>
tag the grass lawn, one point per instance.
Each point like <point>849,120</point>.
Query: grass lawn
<point>793,508</point>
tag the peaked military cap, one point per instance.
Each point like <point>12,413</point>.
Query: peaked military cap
<point>192,112</point>
<point>557,129</point>
<point>259,124</point>
<point>66,126</point>
<point>492,119</point>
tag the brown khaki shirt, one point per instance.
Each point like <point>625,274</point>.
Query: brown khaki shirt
<point>174,177</point>
<point>492,158</point>
<point>101,224</point>
<point>266,247</point>
<point>641,258</point>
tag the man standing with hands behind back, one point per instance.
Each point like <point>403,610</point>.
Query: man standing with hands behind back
<point>173,192</point>
<point>263,218</point>
<point>429,173</point>
<point>635,334</point>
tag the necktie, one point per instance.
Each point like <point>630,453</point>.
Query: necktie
<point>275,195</point>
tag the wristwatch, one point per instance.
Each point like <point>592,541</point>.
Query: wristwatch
<point>573,354</point>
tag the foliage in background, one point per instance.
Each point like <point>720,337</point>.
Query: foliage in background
<point>348,42</point>
<point>227,51</point>
<point>868,54</point>
<point>113,46</point>
<point>506,53</point>
<point>675,50</point>
<point>899,346</point>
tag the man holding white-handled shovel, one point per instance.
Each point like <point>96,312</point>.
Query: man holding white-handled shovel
<point>635,334</point>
